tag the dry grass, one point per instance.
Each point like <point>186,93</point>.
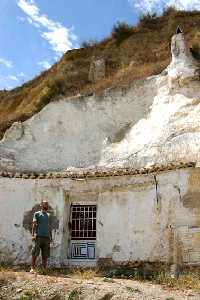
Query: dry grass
<point>84,273</point>
<point>6,276</point>
<point>130,53</point>
<point>190,280</point>
<point>4,268</point>
<point>30,294</point>
<point>159,274</point>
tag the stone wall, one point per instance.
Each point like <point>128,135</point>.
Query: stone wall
<point>151,217</point>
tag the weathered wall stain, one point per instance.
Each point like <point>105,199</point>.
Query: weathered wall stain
<point>28,218</point>
<point>192,198</point>
<point>116,248</point>
<point>120,134</point>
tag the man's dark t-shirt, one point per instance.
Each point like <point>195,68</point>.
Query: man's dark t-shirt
<point>43,223</point>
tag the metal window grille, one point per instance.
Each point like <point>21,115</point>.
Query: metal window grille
<point>83,222</point>
<point>83,250</point>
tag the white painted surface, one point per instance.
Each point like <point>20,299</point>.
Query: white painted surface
<point>171,132</point>
<point>155,120</point>
<point>134,222</point>
<point>17,197</point>
<point>72,132</point>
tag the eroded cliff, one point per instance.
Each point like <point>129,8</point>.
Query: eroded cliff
<point>154,121</point>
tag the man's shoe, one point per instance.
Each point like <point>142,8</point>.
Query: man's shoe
<point>32,271</point>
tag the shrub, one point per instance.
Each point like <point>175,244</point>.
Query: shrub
<point>87,44</point>
<point>74,294</point>
<point>121,31</point>
<point>57,85</point>
<point>169,10</point>
<point>54,88</point>
<point>30,294</point>
<point>147,19</point>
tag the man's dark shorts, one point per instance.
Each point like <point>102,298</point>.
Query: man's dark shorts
<point>43,244</point>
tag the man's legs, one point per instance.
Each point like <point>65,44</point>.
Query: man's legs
<point>45,247</point>
<point>44,261</point>
<point>34,259</point>
<point>35,253</point>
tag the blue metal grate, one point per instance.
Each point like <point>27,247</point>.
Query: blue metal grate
<point>82,250</point>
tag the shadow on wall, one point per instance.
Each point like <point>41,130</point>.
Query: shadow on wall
<point>121,133</point>
<point>28,218</point>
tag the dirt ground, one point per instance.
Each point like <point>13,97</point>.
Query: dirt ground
<point>26,286</point>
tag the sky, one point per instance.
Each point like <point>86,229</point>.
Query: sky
<point>34,34</point>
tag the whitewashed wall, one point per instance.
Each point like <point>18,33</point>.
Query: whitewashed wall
<point>73,132</point>
<point>155,120</point>
<point>16,198</point>
<point>135,221</point>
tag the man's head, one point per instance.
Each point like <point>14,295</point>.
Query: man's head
<point>44,205</point>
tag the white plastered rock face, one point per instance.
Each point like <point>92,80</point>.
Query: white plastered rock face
<point>171,132</point>
<point>183,65</point>
<point>154,121</point>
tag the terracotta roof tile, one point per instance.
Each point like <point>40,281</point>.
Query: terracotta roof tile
<point>96,172</point>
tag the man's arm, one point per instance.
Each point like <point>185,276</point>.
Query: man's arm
<point>50,228</point>
<point>34,226</point>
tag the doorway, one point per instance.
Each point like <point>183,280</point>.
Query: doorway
<point>83,231</point>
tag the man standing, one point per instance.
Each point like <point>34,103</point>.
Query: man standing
<point>41,235</point>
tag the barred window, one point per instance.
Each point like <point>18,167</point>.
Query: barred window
<point>83,222</point>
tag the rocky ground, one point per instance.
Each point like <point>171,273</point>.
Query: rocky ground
<point>25,286</point>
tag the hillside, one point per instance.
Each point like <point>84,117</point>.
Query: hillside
<point>144,50</point>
